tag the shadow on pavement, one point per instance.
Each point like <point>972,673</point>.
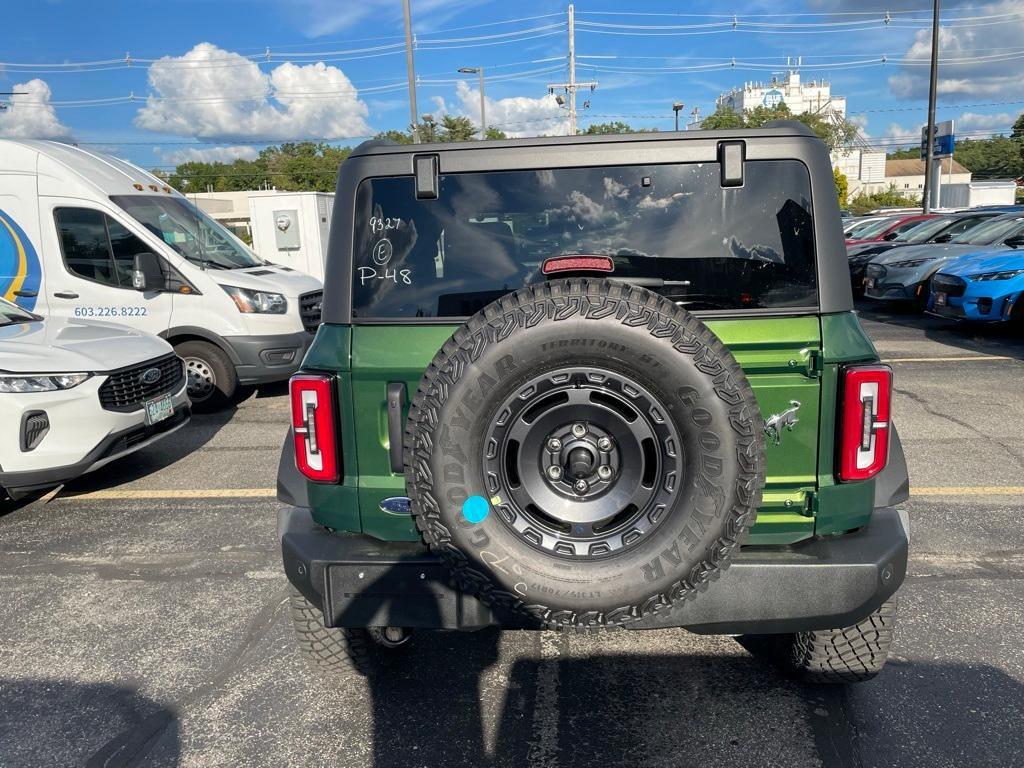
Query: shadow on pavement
<point>163,453</point>
<point>59,722</point>
<point>437,704</point>
<point>637,710</point>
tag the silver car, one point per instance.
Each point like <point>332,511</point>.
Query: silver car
<point>902,274</point>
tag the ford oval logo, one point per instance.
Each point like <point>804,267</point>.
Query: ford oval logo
<point>150,376</point>
<point>395,505</point>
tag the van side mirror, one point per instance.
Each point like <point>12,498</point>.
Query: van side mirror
<point>147,274</point>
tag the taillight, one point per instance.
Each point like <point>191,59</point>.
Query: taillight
<point>864,435</point>
<point>314,425</point>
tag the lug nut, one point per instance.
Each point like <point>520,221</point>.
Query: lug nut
<point>579,430</point>
<point>604,472</point>
<point>580,486</point>
<point>605,444</point>
<point>555,472</point>
<point>554,444</point>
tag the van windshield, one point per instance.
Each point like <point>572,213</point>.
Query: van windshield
<point>671,228</point>
<point>188,230</point>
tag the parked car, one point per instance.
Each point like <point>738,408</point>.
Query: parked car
<point>982,287</point>
<point>902,274</point>
<point>889,229</point>
<point>855,228</point>
<point>583,446</point>
<point>941,229</point>
<point>84,235</point>
<point>77,394</point>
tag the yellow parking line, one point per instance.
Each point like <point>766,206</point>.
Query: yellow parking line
<point>204,493</point>
<point>968,490</point>
<point>961,359</point>
<point>269,493</point>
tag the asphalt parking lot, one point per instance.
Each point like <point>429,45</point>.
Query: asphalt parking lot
<point>143,622</point>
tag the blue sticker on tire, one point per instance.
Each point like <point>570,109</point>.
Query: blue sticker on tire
<point>475,509</point>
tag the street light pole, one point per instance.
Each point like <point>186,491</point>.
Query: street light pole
<point>676,109</point>
<point>926,197</point>
<point>483,107</point>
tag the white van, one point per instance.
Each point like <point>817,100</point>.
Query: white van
<point>88,236</point>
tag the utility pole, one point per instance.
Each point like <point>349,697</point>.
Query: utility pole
<point>572,86</point>
<point>413,112</point>
<point>926,196</point>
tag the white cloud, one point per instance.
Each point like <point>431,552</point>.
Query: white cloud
<point>516,116</point>
<point>209,154</point>
<point>964,76</point>
<point>199,94</point>
<point>897,135</point>
<point>972,121</point>
<point>31,116</point>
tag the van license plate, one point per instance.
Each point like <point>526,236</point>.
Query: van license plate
<point>158,410</point>
<point>940,299</point>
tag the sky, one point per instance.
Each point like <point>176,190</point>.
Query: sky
<point>164,82</point>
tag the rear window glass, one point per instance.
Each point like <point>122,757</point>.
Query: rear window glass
<point>671,228</point>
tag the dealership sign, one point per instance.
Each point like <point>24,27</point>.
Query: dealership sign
<point>943,140</point>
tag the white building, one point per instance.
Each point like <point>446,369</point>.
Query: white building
<point>863,166</point>
<point>814,96</point>
<point>907,176</point>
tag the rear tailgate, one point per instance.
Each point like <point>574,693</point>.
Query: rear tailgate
<point>779,355</point>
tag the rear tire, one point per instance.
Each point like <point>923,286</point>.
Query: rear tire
<point>830,656</point>
<point>212,379</point>
<point>340,652</point>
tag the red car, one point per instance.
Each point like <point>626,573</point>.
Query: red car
<point>888,229</point>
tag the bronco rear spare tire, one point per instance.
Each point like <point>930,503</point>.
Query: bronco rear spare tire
<point>584,451</point>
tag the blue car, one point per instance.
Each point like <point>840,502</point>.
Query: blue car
<point>986,287</point>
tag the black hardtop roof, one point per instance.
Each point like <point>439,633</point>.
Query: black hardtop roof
<point>774,129</point>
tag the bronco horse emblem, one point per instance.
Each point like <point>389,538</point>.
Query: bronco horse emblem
<point>774,425</point>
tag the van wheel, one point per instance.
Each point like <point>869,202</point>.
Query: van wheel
<point>342,652</point>
<point>845,655</point>
<point>212,379</point>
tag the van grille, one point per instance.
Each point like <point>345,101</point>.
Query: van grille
<point>951,285</point>
<point>125,390</point>
<point>310,305</point>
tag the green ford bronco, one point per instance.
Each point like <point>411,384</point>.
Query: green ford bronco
<point>594,382</point>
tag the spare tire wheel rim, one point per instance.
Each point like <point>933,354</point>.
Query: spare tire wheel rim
<point>582,462</point>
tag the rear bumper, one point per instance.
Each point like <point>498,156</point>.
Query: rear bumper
<point>358,581</point>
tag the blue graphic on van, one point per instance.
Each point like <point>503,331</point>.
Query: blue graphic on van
<point>19,265</point>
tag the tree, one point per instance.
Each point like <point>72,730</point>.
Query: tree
<point>399,137</point>
<point>836,132</point>
<point>889,198</point>
<point>842,185</point>
<point>457,128</point>
<point>616,126</point>
<point>722,118</point>
<point>494,133</point>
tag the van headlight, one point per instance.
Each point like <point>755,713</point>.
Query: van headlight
<point>258,302</point>
<point>43,382</point>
